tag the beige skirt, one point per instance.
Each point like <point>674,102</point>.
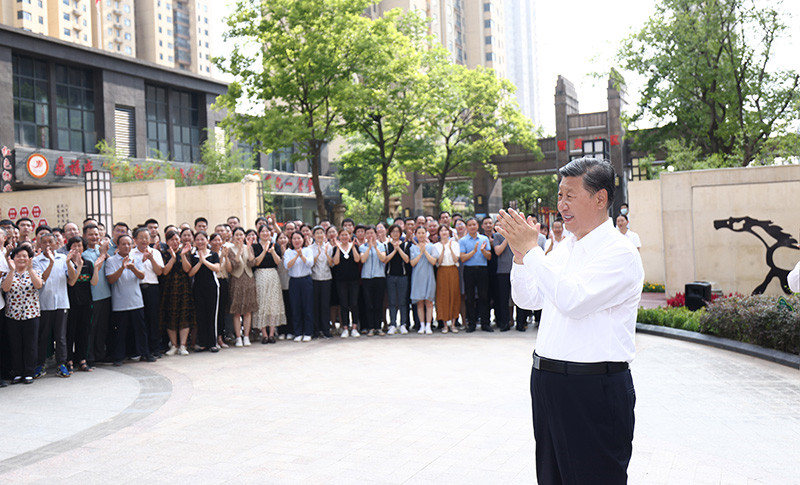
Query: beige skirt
<point>270,299</point>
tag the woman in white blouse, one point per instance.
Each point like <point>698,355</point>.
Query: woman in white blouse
<point>448,290</point>
<point>622,225</point>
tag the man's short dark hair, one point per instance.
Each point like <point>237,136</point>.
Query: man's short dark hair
<point>43,228</point>
<point>150,221</point>
<point>89,226</point>
<point>89,219</point>
<point>140,230</point>
<point>360,226</point>
<point>6,222</point>
<point>597,175</point>
<point>21,219</point>
<point>122,224</point>
<point>346,220</point>
<point>443,213</point>
<point>200,219</point>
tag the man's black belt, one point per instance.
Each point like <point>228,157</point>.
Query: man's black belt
<point>577,368</point>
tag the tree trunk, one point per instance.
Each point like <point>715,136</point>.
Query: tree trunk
<point>385,190</point>
<point>437,204</point>
<point>316,150</point>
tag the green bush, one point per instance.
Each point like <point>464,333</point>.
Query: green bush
<point>653,287</point>
<point>680,317</point>
<point>755,319</point>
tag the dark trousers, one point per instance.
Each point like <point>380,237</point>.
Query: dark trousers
<point>502,287</point>
<point>133,319</point>
<point>206,307</point>
<point>79,319</point>
<point>152,301</point>
<point>523,314</point>
<point>322,306</point>
<point>583,427</point>
<point>397,289</point>
<point>301,296</point>
<point>5,350</point>
<point>22,339</point>
<point>374,290</point>
<point>287,307</point>
<point>99,331</point>
<point>224,319</point>
<point>52,325</point>
<point>476,277</point>
<point>348,301</point>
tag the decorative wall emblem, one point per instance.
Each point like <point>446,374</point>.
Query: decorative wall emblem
<point>773,237</point>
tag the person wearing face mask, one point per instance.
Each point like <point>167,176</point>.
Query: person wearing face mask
<point>622,225</point>
<point>625,211</point>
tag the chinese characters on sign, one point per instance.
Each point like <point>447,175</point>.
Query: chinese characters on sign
<point>291,184</point>
<point>9,160</point>
<point>75,167</point>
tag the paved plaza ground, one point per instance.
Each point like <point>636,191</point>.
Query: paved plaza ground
<point>402,409</point>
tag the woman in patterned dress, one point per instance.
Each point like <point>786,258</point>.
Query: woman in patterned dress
<point>271,313</point>
<point>22,284</point>
<point>177,309</point>
<point>239,261</point>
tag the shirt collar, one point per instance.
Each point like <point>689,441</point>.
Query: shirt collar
<point>595,236</point>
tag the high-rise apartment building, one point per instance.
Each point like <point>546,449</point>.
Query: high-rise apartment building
<point>521,55</point>
<point>472,30</point>
<point>171,33</point>
<point>114,26</point>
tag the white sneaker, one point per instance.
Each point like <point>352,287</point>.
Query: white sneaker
<point>282,336</point>
<point>392,330</point>
<point>428,330</point>
<point>246,341</point>
<point>307,338</point>
<point>183,351</point>
<point>421,328</point>
<point>289,336</point>
<point>299,338</point>
<point>403,330</point>
<point>354,333</point>
<point>344,333</point>
<point>172,350</point>
<point>238,342</point>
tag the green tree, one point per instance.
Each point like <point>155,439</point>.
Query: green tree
<point>221,163</point>
<point>473,116</point>
<point>710,79</point>
<point>386,106</point>
<point>528,190</point>
<point>292,60</point>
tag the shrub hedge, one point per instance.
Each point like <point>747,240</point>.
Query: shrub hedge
<point>755,319</point>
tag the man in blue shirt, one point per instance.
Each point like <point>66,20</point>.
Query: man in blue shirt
<point>475,254</point>
<point>127,306</point>
<point>97,253</point>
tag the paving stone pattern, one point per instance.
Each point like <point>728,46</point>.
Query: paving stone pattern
<point>411,409</point>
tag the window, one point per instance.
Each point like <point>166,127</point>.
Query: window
<point>65,2</point>
<point>110,46</point>
<point>67,32</point>
<point>126,8</point>
<point>23,15</point>
<point>281,160</point>
<point>161,56</point>
<point>156,109</point>
<point>161,43</point>
<point>206,32</point>
<point>41,20</point>
<point>169,45</point>
<point>110,32</point>
<point>66,17</point>
<point>490,56</point>
<point>171,59</point>
<point>128,50</point>
<point>169,19</point>
<point>206,45</point>
<point>127,22</point>
<point>488,40</point>
<point>169,32</point>
<point>127,36</point>
<point>125,131</point>
<point>159,16</point>
<point>75,123</point>
<point>31,90</point>
<point>185,116</point>
<point>205,20</point>
<point>487,7</point>
<point>108,17</point>
<point>159,30</point>
<point>487,24</point>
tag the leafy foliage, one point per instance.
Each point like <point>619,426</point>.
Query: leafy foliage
<point>653,287</point>
<point>680,317</point>
<point>293,61</point>
<point>755,319</point>
<point>710,80</point>
<point>526,191</point>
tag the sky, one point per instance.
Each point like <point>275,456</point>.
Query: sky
<point>576,38</point>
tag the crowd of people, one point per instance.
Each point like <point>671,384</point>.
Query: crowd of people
<point>87,296</point>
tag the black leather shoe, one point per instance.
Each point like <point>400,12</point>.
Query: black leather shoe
<point>149,358</point>
<point>521,328</point>
<point>505,329</point>
<point>470,328</point>
<point>3,383</point>
<point>487,329</point>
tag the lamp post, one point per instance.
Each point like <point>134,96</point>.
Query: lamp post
<point>98,197</point>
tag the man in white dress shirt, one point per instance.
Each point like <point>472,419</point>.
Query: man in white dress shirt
<point>589,288</point>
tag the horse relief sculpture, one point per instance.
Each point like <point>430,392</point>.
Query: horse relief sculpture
<point>773,237</point>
